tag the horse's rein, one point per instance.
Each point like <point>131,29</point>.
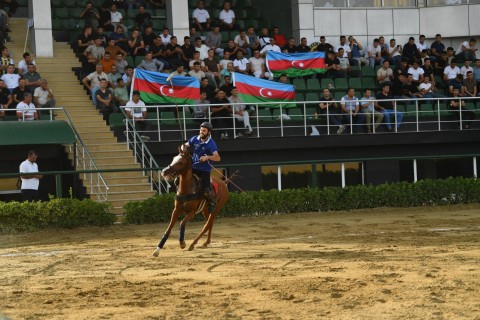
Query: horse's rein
<point>223,176</point>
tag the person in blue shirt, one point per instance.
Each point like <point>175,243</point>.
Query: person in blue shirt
<point>204,150</point>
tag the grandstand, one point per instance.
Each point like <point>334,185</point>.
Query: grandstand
<point>281,148</point>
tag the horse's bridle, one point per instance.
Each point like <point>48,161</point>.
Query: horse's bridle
<point>176,173</point>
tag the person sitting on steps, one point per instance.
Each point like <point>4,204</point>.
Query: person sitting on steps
<point>204,150</point>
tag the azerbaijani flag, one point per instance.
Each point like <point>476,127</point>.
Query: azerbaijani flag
<point>295,64</point>
<point>154,87</point>
<point>254,90</point>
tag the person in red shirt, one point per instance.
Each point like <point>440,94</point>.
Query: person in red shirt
<point>280,39</point>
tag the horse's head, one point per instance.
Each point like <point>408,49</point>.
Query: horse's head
<point>180,164</point>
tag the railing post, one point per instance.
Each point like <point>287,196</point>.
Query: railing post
<point>415,170</point>
<point>58,185</point>
<point>475,167</point>
<point>343,174</point>
<point>279,178</point>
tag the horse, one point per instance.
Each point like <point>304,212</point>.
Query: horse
<point>189,199</point>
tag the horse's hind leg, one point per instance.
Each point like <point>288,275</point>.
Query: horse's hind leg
<point>173,220</point>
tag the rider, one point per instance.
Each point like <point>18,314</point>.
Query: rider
<point>204,150</point>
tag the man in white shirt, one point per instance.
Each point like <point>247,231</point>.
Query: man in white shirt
<point>43,96</point>
<point>201,17</point>
<point>10,78</point>
<point>242,40</point>
<point>466,68</point>
<point>26,109</point>
<point>200,47</point>
<point>23,65</point>
<point>92,81</point>
<point>137,111</point>
<point>416,72</point>
<point>345,46</point>
<point>450,72</point>
<point>227,18</point>
<point>117,18</point>
<point>239,112</point>
<point>30,183</point>
<point>373,53</point>
<point>467,50</point>
<point>421,45</point>
<point>270,47</point>
<point>241,64</point>
<point>257,65</point>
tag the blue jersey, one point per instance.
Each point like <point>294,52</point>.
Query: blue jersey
<point>201,149</point>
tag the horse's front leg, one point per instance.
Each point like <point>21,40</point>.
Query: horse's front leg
<point>207,227</point>
<point>175,214</point>
<point>183,224</point>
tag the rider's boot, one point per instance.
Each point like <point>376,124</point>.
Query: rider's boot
<point>211,201</point>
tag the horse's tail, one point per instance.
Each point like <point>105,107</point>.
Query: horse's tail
<point>230,179</point>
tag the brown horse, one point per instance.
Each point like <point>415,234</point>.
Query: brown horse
<point>189,200</point>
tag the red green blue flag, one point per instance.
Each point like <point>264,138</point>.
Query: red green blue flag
<point>154,87</point>
<point>255,90</point>
<point>295,64</point>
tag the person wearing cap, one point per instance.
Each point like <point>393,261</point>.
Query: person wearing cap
<point>204,150</point>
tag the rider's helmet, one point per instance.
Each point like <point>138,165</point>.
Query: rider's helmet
<point>207,125</point>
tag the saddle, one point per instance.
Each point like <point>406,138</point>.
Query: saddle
<point>196,190</point>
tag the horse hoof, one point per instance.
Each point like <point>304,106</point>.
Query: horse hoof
<point>191,247</point>
<point>183,244</point>
<point>156,252</point>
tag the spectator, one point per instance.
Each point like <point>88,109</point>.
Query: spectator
<point>421,45</point>
<point>120,93</point>
<point>201,17</point>
<point>150,64</point>
<point>196,71</point>
<point>5,60</point>
<point>188,51</point>
<point>43,96</point>
<point>92,81</point>
<point>324,46</point>
<point>90,15</point>
<point>388,108</point>
<point>19,92</point>
<point>166,36</point>
<point>180,71</point>
<point>221,114</point>
<point>253,39</point>
<point>290,47</point>
<point>209,89</point>
<point>120,39</point>
<point>142,19</point>
<point>32,77</point>
<point>214,40</point>
<point>113,76</point>
<point>100,34</point>
<point>410,50</point>
<point>347,52</point>
<point>196,58</point>
<point>416,72</point>
<point>461,112</point>
<point>94,53</point>
<point>30,183</point>
<point>135,44</point>
<point>466,68</point>
<point>10,78</point>
<point>351,111</point>
<point>113,49</point>
<point>200,107</point>
<point>5,96</point>
<point>159,52</point>
<point>437,47</point>
<point>202,48</point>
<point>23,65</point>
<point>105,100</point>
<point>356,49</point>
<point>105,19</point>
<point>450,54</point>
<point>428,70</point>
<point>270,47</point>
<point>257,64</point>
<point>394,52</point>
<point>303,46</point>
<point>212,68</point>
<point>242,41</point>
<point>385,73</point>
<point>440,65</point>
<point>137,111</point>
<point>384,47</point>
<point>148,37</point>
<point>467,50</point>
<point>476,70</point>
<point>451,71</point>
<point>367,104</point>
<point>232,48</point>
<point>280,39</point>
<point>227,18</point>
<point>344,61</point>
<point>26,109</point>
<point>117,18</point>
<point>173,53</point>
<point>264,37</point>
<point>225,61</point>
<point>456,83</point>
<point>374,54</point>
<point>121,63</point>
<point>127,77</point>
<point>107,62</point>
<point>239,112</point>
<point>333,65</point>
<point>241,64</point>
<point>428,89</point>
<point>327,106</point>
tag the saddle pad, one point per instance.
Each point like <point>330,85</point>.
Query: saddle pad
<point>215,187</point>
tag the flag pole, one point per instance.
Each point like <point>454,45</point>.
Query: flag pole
<point>182,130</point>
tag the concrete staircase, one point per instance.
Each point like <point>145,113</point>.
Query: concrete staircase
<point>99,140</point>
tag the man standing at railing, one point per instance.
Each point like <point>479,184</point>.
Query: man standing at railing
<point>30,183</point>
<point>351,111</point>
<point>388,108</point>
<point>137,111</point>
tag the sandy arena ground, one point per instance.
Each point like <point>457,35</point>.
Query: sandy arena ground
<point>370,264</point>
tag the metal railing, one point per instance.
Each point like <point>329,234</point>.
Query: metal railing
<point>81,156</point>
<point>282,120</point>
<point>135,141</point>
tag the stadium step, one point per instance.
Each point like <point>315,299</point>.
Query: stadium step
<point>97,136</point>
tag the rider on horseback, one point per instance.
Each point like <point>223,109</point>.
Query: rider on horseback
<point>204,150</point>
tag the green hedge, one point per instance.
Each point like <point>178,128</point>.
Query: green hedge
<point>56,213</point>
<point>402,194</point>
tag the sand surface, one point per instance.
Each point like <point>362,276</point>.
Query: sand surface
<point>385,263</point>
